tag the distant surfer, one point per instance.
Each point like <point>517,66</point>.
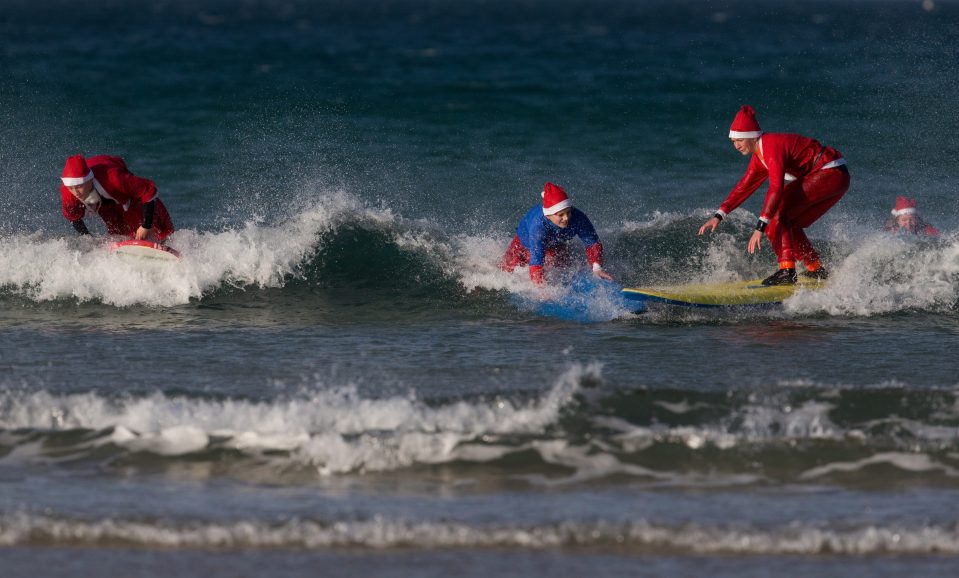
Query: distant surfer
<point>906,219</point>
<point>543,236</point>
<point>128,204</point>
<point>805,180</point>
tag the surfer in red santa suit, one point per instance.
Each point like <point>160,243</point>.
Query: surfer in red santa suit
<point>906,219</point>
<point>128,204</point>
<point>805,180</point>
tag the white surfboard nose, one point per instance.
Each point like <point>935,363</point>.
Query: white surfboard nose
<point>145,250</point>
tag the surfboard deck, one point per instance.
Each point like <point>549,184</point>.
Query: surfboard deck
<point>732,294</point>
<point>145,250</point>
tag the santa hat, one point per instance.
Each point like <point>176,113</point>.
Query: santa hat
<point>745,124</point>
<point>904,206</point>
<point>554,199</point>
<point>76,172</point>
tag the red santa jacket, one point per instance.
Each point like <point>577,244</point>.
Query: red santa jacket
<point>128,193</point>
<point>782,158</point>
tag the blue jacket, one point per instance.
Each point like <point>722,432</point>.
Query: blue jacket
<point>537,233</point>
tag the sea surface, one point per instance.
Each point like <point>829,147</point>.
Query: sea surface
<point>338,380</point>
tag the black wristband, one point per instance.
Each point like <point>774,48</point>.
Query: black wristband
<point>81,227</point>
<point>718,216</point>
<point>148,214</point>
<point>761,225</point>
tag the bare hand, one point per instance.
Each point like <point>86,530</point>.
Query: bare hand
<point>754,241</point>
<point>142,233</point>
<point>602,275</point>
<point>711,224</point>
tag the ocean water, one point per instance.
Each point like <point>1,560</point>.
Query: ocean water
<point>337,379</point>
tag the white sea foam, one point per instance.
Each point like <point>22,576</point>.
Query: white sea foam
<point>335,430</point>
<point>255,255</point>
<point>760,421</point>
<point>378,533</point>
<point>481,257</point>
<point>810,420</point>
<point>587,464</point>
<point>902,461</point>
<point>681,407</point>
<point>878,274</point>
<point>884,274</point>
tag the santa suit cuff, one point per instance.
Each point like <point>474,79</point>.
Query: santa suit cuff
<point>594,254</point>
<point>536,273</point>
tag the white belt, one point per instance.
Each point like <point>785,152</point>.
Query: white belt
<point>830,165</point>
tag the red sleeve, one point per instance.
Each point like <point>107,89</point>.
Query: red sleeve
<point>536,274</point>
<point>755,175</point>
<point>774,154</point>
<point>73,209</point>
<point>931,231</point>
<point>594,253</point>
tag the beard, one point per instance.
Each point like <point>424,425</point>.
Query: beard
<point>93,201</point>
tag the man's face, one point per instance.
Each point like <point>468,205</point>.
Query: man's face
<point>745,146</point>
<point>908,222</point>
<point>561,219</point>
<point>81,191</point>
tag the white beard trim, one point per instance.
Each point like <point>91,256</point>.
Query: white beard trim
<point>93,201</point>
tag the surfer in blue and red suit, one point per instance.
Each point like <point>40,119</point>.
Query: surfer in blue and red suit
<point>543,236</point>
<point>128,204</point>
<point>805,180</point>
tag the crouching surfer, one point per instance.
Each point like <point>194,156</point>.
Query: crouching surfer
<point>805,180</point>
<point>906,220</point>
<point>128,204</point>
<point>543,236</point>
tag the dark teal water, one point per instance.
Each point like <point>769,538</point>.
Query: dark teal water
<point>338,375</point>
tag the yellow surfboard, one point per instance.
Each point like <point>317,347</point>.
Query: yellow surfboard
<point>736,293</point>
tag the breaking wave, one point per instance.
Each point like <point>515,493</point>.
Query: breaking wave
<point>379,533</point>
<point>341,244</point>
<point>576,431</point>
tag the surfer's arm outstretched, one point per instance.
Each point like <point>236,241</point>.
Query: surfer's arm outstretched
<point>755,175</point>
<point>583,227</point>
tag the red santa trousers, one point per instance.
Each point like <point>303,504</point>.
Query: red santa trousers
<point>806,199</point>
<point>518,256</point>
